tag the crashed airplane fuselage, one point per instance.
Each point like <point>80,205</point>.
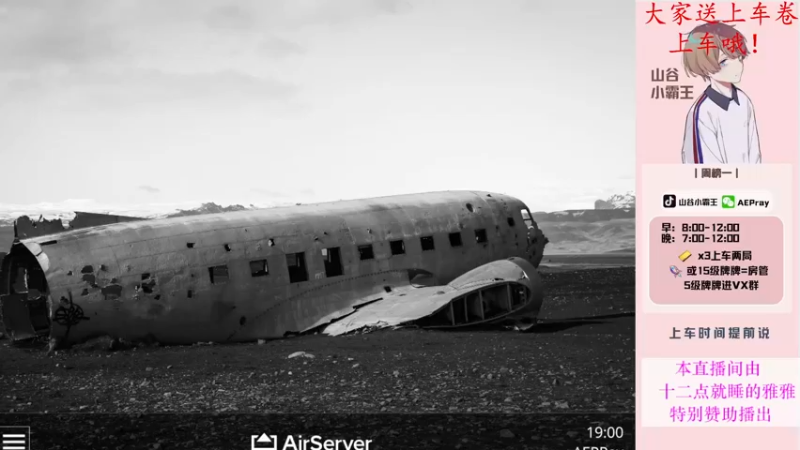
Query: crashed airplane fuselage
<point>441,259</point>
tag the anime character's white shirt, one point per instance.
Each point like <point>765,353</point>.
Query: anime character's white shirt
<point>721,130</point>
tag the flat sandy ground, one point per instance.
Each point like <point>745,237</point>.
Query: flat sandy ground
<point>565,365</point>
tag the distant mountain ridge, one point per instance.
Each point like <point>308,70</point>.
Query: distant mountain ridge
<point>610,227</point>
<point>210,208</point>
<point>65,211</point>
<point>617,201</point>
<point>584,215</point>
<point>8,217</point>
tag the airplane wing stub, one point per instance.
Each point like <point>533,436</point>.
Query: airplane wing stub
<point>472,299</point>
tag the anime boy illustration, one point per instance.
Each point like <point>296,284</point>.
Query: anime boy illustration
<point>721,124</point>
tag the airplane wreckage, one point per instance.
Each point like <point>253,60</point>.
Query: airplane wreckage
<point>434,260</point>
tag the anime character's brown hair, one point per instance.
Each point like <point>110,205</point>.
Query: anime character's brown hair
<point>702,61</point>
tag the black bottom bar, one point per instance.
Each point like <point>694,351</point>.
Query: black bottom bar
<point>386,431</point>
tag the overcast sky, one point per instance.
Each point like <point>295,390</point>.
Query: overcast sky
<point>252,101</point>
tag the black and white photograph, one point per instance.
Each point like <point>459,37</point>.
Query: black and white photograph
<point>317,224</point>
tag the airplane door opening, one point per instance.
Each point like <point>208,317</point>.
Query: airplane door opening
<point>333,262</point>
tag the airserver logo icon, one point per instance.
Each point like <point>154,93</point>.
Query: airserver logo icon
<point>263,442</point>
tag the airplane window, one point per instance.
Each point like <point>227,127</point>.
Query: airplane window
<point>259,268</point>
<point>480,236</point>
<point>296,263</point>
<point>218,274</point>
<point>511,222</point>
<point>365,252</point>
<point>455,239</point>
<point>427,243</point>
<point>398,247</point>
<point>526,217</point>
